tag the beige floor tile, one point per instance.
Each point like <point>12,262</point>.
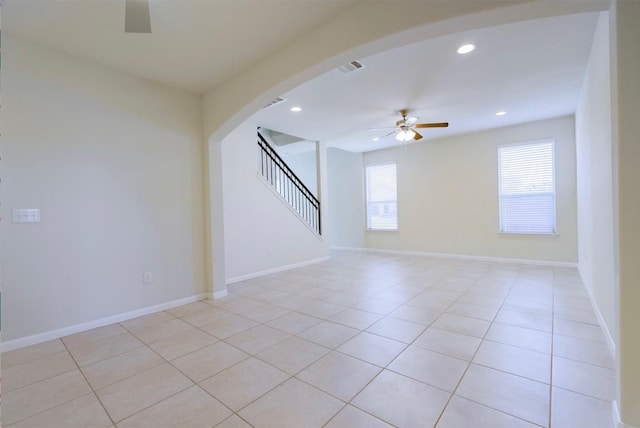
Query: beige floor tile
<point>524,320</point>
<point>377,306</point>
<point>162,330</point>
<point>585,351</point>
<point>265,313</point>
<point>182,344</point>
<point>397,329</point>
<point>415,314</point>
<point>587,379</point>
<point>241,305</point>
<point>190,308</point>
<point>472,310</point>
<point>515,395</point>
<point>34,371</point>
<point>243,383</point>
<point>346,299</point>
<point>372,348</point>
<point>293,322</point>
<point>579,315</point>
<point>190,408</point>
<point>83,412</point>
<point>234,421</point>
<point>209,360</point>
<point>339,375</point>
<point>463,325</point>
<point>30,353</point>
<point>147,320</point>
<point>127,397</point>
<point>293,302</point>
<point>534,340</point>
<point>257,339</point>
<point>449,343</point>
<point>401,401</point>
<point>206,316</point>
<point>429,367</point>
<point>228,326</point>
<point>105,348</point>
<point>355,318</point>
<point>328,334</point>
<point>114,369</point>
<point>293,404</point>
<point>462,413</point>
<point>270,296</point>
<point>578,330</point>
<point>433,302</point>
<point>519,361</point>
<point>293,354</point>
<point>352,417</point>
<point>38,397</point>
<point>322,310</point>
<point>93,335</point>
<point>569,410</point>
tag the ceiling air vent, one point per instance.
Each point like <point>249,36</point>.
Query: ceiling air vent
<point>350,66</point>
<point>276,101</point>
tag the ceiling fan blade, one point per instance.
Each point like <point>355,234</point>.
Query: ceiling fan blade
<point>411,120</point>
<point>417,136</point>
<point>387,134</point>
<point>136,16</point>
<point>432,125</point>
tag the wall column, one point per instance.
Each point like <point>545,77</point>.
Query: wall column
<point>625,39</point>
<point>215,239</point>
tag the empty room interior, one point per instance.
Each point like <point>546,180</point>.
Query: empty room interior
<point>320,213</point>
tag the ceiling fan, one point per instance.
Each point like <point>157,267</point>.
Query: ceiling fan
<point>136,16</point>
<point>405,128</point>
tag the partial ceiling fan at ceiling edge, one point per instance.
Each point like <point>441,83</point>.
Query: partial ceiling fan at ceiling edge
<point>405,128</point>
<point>136,16</point>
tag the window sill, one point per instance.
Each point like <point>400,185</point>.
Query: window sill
<point>542,235</point>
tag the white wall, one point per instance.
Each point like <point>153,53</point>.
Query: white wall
<point>448,195</point>
<point>115,165</point>
<point>346,198</point>
<point>260,231</point>
<point>304,165</point>
<point>594,177</point>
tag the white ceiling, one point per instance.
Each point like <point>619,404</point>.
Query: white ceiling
<point>194,44</point>
<point>532,69</point>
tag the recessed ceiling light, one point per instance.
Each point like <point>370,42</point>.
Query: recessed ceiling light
<point>465,49</point>
<point>375,139</point>
<point>296,109</point>
<point>501,113</point>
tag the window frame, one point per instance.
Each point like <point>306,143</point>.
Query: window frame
<point>551,141</point>
<point>366,197</point>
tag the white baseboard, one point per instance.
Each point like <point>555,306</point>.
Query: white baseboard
<point>218,294</point>
<point>603,325</point>
<point>617,422</point>
<point>276,270</point>
<point>77,328</point>
<point>463,257</point>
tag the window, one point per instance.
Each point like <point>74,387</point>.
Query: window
<point>527,188</point>
<point>382,201</point>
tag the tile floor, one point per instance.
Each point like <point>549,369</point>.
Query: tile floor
<point>363,340</point>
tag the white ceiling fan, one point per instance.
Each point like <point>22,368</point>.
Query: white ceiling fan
<point>136,16</point>
<point>405,128</point>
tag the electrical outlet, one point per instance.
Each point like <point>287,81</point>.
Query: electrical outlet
<point>147,277</point>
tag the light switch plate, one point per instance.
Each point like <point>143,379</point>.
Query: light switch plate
<point>25,215</point>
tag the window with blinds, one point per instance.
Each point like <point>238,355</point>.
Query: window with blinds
<point>527,195</point>
<point>382,201</point>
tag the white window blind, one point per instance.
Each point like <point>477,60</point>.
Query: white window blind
<point>527,188</point>
<point>382,201</point>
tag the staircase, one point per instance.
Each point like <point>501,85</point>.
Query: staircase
<point>284,181</point>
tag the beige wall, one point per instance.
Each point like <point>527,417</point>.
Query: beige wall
<point>260,230</point>
<point>448,195</point>
<point>626,149</point>
<point>594,173</point>
<point>115,165</point>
